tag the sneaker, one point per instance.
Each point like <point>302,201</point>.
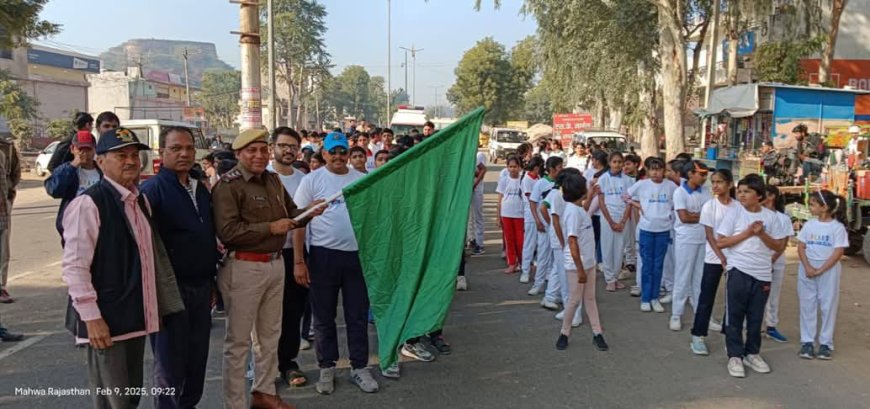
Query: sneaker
<point>657,306</point>
<point>635,291</point>
<point>715,326</point>
<point>326,384</point>
<point>524,278</point>
<point>391,372</point>
<point>610,287</point>
<point>675,324</point>
<point>775,335</point>
<point>598,341</point>
<point>807,351</point>
<point>304,344</point>
<point>7,336</point>
<point>666,299</point>
<point>461,284</point>
<point>631,268</point>
<point>825,352</point>
<point>5,298</point>
<point>699,346</point>
<point>578,319</point>
<point>757,364</point>
<point>560,315</point>
<point>440,345</point>
<point>470,244</point>
<point>535,290</point>
<point>562,342</point>
<point>645,307</point>
<point>479,250</point>
<point>364,380</point>
<point>735,368</point>
<point>417,351</point>
<point>550,305</point>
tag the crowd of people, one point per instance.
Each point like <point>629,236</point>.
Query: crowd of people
<point>565,219</point>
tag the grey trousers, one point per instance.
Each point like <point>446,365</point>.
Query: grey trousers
<point>116,374</point>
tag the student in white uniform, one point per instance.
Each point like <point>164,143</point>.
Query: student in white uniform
<point>597,167</point>
<point>523,155</point>
<point>578,159</point>
<point>775,203</point>
<point>530,232</point>
<point>753,235</point>
<point>672,172</point>
<point>630,169</point>
<point>613,186</point>
<point>714,258</point>
<point>579,261</point>
<point>821,243</point>
<point>654,197</point>
<point>510,210</point>
<point>689,235</point>
<point>544,256</point>
<point>553,207</point>
<point>477,226</point>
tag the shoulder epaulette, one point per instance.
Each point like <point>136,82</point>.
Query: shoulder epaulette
<point>231,175</point>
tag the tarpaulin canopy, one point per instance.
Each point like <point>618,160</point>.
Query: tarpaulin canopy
<point>737,101</point>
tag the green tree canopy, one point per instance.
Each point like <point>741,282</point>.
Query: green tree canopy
<point>19,22</point>
<point>485,77</point>
<point>220,97</point>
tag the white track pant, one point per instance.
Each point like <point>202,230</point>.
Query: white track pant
<point>772,316</point>
<point>544,258</point>
<point>639,263</point>
<point>477,217</point>
<point>612,250</point>
<point>631,243</point>
<point>557,283</point>
<point>530,243</point>
<point>819,294</point>
<point>668,269</point>
<point>687,278</point>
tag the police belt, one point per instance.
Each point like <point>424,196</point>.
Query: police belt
<point>255,257</point>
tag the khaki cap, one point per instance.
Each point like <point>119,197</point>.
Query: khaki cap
<point>250,136</point>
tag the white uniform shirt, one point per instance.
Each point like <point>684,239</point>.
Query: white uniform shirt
<point>689,233</point>
<point>555,206</point>
<point>589,174</point>
<point>291,183</point>
<point>711,216</point>
<point>751,256</point>
<point>577,224</point>
<point>527,185</point>
<point>656,202</point>
<point>821,238</point>
<point>614,187</point>
<point>541,186</point>
<point>577,162</point>
<point>785,224</point>
<point>332,229</point>
<point>512,201</point>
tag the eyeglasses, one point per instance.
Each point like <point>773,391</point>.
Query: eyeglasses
<point>286,146</point>
<point>338,151</point>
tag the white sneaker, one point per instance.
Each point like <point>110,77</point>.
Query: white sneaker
<point>715,326</point>
<point>699,346</point>
<point>675,324</point>
<point>461,284</point>
<point>560,315</point>
<point>666,299</point>
<point>578,319</point>
<point>756,363</point>
<point>645,307</point>
<point>735,368</point>
<point>550,305</point>
<point>657,306</point>
<point>524,278</point>
<point>635,291</point>
<point>535,290</point>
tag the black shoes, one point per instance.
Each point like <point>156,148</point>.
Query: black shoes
<point>598,341</point>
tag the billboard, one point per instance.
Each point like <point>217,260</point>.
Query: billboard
<point>66,61</point>
<point>566,125</point>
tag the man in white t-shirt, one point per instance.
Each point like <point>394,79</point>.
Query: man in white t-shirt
<point>333,265</point>
<point>71,179</point>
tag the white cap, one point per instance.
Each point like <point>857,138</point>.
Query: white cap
<point>854,129</point>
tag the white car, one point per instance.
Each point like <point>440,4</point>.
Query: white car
<point>43,158</point>
<point>504,142</point>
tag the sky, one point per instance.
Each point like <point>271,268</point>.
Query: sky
<point>356,32</point>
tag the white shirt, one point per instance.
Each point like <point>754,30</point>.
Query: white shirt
<point>541,186</point>
<point>656,202</point>
<point>555,206</point>
<point>527,185</point>
<point>87,178</point>
<point>291,183</point>
<point>558,154</point>
<point>589,174</point>
<point>577,224</point>
<point>577,162</point>
<point>852,146</point>
<point>689,233</point>
<point>512,201</point>
<point>785,224</point>
<point>712,214</point>
<point>821,238</point>
<point>613,188</point>
<point>751,256</point>
<point>332,229</point>
<point>481,160</point>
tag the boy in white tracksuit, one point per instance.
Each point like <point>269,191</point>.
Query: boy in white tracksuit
<point>530,232</point>
<point>544,257</point>
<point>689,239</point>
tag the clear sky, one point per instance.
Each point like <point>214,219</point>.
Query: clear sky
<point>356,33</point>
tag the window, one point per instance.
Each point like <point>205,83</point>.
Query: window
<point>6,54</point>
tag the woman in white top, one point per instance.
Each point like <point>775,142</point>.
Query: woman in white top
<point>613,185</point>
<point>510,210</point>
<point>578,159</point>
<point>530,232</point>
<point>556,149</point>
<point>775,203</point>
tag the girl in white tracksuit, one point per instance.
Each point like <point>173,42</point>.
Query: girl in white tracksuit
<point>613,185</point>
<point>820,246</point>
<point>553,208</point>
<point>544,257</point>
<point>689,237</point>
<point>774,202</point>
<point>530,235</point>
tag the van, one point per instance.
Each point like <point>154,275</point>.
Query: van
<point>407,118</point>
<point>610,141</point>
<point>148,131</point>
<point>504,142</point>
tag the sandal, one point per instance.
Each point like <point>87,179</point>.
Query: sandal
<point>295,378</point>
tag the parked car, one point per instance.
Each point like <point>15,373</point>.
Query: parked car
<point>610,141</point>
<point>44,156</point>
<point>504,142</point>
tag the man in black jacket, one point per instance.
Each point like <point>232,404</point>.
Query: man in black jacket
<point>183,215</point>
<point>106,121</point>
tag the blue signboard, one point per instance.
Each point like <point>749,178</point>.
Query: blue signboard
<point>745,45</point>
<point>70,62</point>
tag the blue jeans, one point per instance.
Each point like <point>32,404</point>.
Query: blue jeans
<point>653,247</point>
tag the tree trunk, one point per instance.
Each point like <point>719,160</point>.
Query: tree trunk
<point>616,115</point>
<point>649,145</point>
<point>289,79</point>
<point>299,96</point>
<point>598,121</point>
<point>673,57</point>
<point>733,43</point>
<point>831,43</point>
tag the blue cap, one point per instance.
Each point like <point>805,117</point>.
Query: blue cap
<point>117,139</point>
<point>335,139</point>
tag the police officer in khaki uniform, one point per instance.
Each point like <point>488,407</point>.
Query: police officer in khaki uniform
<point>253,214</point>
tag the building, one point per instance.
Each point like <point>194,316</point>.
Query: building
<point>55,78</point>
<point>130,95</point>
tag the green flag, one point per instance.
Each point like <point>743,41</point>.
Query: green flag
<point>409,217</point>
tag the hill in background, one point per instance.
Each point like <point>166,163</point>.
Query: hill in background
<point>165,55</point>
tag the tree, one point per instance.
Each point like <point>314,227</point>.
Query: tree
<point>779,61</point>
<point>485,77</point>
<point>15,104</point>
<point>59,128</point>
<point>19,22</point>
<point>538,108</point>
<point>399,97</point>
<point>219,97</point>
<point>352,93</point>
<point>837,7</point>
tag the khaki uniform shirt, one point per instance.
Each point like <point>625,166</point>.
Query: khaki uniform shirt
<point>244,206</point>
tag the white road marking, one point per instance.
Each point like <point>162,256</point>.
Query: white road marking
<point>20,346</point>
<point>22,275</point>
<point>56,263</point>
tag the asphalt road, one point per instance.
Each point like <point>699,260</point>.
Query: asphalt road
<point>504,354</point>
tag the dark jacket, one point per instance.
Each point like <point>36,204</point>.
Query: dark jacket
<point>188,233</point>
<point>63,184</point>
<point>62,153</point>
<point>116,269</point>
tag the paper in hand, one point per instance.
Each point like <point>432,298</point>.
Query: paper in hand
<point>308,212</point>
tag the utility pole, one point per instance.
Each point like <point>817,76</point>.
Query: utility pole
<point>414,52</point>
<point>249,41</point>
<point>273,110</point>
<point>711,67</point>
<point>437,107</point>
<point>405,65</point>
<point>186,76</point>
<point>389,61</point>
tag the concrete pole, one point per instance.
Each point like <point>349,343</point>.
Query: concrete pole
<point>186,77</point>
<point>389,61</point>
<point>249,41</point>
<point>273,110</point>
<point>711,67</point>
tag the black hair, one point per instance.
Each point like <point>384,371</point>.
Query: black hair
<point>165,131</point>
<point>396,151</point>
<point>359,149</point>
<point>301,165</point>
<point>802,128</point>
<point>107,116</point>
<point>405,141</point>
<point>542,146</point>
<point>387,130</point>
<point>689,166</point>
<point>382,152</point>
<point>755,182</point>
<point>514,158</point>
<point>564,174</point>
<point>82,119</point>
<point>225,165</point>
<point>768,143</point>
<point>557,142</point>
<point>778,200</point>
<point>209,157</point>
<point>676,165</point>
<point>430,124</point>
<point>728,177</point>
<point>284,130</point>
<point>576,144</point>
<point>537,162</point>
<point>614,155</point>
<point>684,156</point>
<point>836,204</point>
<point>653,162</point>
<point>600,157</point>
<point>523,149</point>
<point>633,159</point>
<point>554,162</point>
<point>318,157</point>
<point>224,155</point>
<point>573,187</point>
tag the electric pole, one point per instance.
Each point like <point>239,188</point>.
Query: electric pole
<point>405,64</point>
<point>186,76</point>
<point>711,68</point>
<point>389,61</point>
<point>414,52</point>
<point>273,110</point>
<point>249,41</point>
